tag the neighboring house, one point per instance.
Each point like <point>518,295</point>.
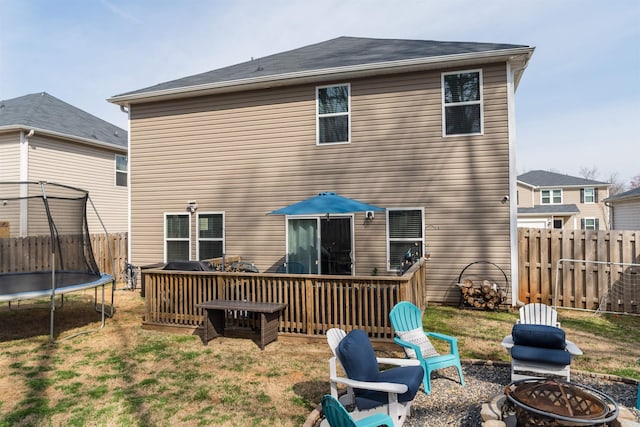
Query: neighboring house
<point>553,200</point>
<point>424,129</point>
<point>624,210</point>
<point>45,139</point>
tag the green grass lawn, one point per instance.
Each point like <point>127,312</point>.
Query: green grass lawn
<point>124,375</point>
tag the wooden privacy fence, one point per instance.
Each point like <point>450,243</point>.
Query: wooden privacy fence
<point>34,253</point>
<point>315,303</point>
<point>581,285</point>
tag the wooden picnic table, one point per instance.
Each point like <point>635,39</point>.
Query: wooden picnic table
<point>215,317</point>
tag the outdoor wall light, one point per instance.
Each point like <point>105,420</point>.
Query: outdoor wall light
<point>369,215</point>
<point>192,206</point>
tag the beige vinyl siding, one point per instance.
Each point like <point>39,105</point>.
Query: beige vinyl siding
<point>10,156</point>
<point>86,167</point>
<point>526,197</point>
<point>249,153</point>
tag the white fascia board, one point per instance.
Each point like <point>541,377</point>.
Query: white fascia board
<point>516,55</point>
<point>61,135</point>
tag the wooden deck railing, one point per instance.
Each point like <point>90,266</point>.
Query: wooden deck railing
<point>315,303</point>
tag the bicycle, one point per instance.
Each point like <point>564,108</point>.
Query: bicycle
<point>129,276</point>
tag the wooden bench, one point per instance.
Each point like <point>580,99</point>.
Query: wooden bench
<point>215,317</point>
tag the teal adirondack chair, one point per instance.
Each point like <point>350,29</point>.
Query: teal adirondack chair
<point>406,320</point>
<point>337,415</point>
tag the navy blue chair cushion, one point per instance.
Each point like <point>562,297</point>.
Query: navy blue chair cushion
<point>359,362</point>
<point>357,356</point>
<point>541,355</point>
<point>538,336</point>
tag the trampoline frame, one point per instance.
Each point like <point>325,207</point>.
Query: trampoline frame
<point>100,279</point>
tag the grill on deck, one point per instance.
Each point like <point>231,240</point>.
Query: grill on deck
<point>552,403</point>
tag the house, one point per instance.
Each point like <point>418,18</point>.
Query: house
<point>624,210</point>
<point>45,139</point>
<point>424,129</point>
<point>552,200</point>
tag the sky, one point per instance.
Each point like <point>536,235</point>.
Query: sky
<point>577,105</point>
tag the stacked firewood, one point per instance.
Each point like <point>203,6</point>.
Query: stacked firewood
<point>484,296</point>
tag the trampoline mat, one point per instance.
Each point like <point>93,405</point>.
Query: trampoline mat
<point>19,286</point>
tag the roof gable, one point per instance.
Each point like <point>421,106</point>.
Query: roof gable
<point>333,54</point>
<point>627,195</point>
<point>47,113</point>
<point>540,178</point>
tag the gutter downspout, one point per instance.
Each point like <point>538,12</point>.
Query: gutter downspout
<point>128,113</point>
<point>513,189</point>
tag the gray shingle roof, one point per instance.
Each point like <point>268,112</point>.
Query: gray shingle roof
<point>549,209</point>
<point>540,178</point>
<point>633,193</point>
<point>335,53</point>
<point>46,112</point>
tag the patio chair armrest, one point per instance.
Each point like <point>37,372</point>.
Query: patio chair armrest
<point>453,341</point>
<point>397,362</point>
<point>442,337</point>
<point>573,349</point>
<point>414,347</point>
<point>366,385</point>
<point>507,342</point>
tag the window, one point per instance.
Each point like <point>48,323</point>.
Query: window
<point>590,224</point>
<point>589,195</point>
<point>333,114</point>
<point>122,170</point>
<point>210,235</point>
<point>177,237</point>
<point>551,197</point>
<point>557,223</point>
<point>462,103</point>
<point>405,229</point>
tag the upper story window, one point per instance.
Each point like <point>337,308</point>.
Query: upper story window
<point>210,235</point>
<point>122,170</point>
<point>589,195</point>
<point>177,237</point>
<point>333,114</point>
<point>462,103</point>
<point>405,235</point>
<point>551,197</point>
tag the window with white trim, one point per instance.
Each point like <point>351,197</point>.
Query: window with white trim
<point>589,195</point>
<point>177,237</point>
<point>333,114</point>
<point>590,224</point>
<point>551,197</point>
<point>210,235</point>
<point>122,170</point>
<point>404,233</point>
<point>462,103</point>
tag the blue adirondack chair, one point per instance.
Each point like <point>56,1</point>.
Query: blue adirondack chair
<point>337,415</point>
<point>406,320</point>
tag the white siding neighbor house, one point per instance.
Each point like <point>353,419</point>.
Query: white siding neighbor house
<point>45,139</point>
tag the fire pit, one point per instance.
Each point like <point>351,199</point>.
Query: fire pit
<point>552,403</point>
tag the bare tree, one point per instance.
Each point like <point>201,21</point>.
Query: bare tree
<point>635,182</point>
<point>616,185</point>
<point>589,173</point>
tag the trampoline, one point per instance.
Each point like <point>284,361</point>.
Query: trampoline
<point>45,248</point>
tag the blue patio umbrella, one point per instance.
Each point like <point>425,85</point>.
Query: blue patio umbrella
<point>326,203</point>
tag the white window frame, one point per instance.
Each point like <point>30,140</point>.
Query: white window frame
<point>392,265</point>
<point>319,116</point>
<point>592,190</point>
<point>551,196</point>
<point>209,239</point>
<point>166,239</point>
<point>479,102</point>
<point>594,220</point>
<point>117,171</point>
